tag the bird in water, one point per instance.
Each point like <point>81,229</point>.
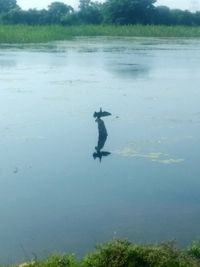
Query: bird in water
<point>101,113</point>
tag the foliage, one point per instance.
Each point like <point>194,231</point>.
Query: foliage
<point>128,11</point>
<point>30,17</point>
<point>56,12</point>
<point>56,260</point>
<point>123,12</point>
<point>122,253</point>
<point>7,5</point>
<point>41,34</point>
<point>90,12</point>
<point>194,250</point>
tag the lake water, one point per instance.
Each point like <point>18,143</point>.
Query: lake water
<point>53,195</point>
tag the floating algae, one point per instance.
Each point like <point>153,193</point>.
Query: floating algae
<point>130,152</point>
<point>168,161</point>
<point>127,152</point>
<point>154,156</point>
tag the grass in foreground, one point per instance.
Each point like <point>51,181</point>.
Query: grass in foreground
<point>122,253</point>
<point>40,34</point>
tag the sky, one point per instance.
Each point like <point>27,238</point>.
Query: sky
<point>192,5</point>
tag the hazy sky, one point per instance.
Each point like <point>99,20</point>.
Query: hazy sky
<point>181,4</point>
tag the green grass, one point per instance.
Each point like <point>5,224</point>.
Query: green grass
<point>41,34</point>
<point>122,253</point>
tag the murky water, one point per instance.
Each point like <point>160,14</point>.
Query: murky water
<point>53,194</point>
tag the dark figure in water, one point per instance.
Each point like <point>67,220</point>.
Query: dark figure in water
<point>102,134</point>
<point>101,140</point>
<point>101,113</point>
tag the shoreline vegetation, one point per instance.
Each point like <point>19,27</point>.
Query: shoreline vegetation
<point>122,253</point>
<point>16,34</point>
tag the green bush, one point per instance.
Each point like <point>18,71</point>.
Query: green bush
<point>194,250</point>
<point>121,253</point>
<point>55,260</point>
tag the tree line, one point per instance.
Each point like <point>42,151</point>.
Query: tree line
<point>120,12</point>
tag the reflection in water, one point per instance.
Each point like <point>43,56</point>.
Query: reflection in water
<point>7,63</point>
<point>101,113</point>
<point>102,135</point>
<point>130,70</point>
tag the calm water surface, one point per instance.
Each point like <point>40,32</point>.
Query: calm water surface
<point>53,195</point>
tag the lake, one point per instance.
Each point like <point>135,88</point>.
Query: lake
<point>54,196</point>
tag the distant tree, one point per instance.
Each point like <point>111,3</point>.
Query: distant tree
<point>162,15</point>
<point>90,12</point>
<point>83,4</point>
<point>70,19</point>
<point>188,18</point>
<point>197,18</point>
<point>34,16</point>
<point>7,5</point>
<point>41,15</point>
<point>57,10</point>
<point>167,16</point>
<point>176,16</point>
<point>30,17</point>
<point>14,16</point>
<point>128,11</point>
